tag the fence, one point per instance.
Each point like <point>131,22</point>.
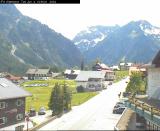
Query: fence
<point>144,106</point>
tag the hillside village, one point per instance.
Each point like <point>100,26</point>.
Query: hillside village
<point>86,81</point>
<point>105,78</point>
<point>99,78</point>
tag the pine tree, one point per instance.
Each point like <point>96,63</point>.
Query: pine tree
<point>66,98</point>
<point>56,100</point>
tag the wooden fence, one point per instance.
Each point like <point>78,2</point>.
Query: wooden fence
<point>144,106</point>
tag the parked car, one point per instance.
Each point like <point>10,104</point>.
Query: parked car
<point>119,104</point>
<point>42,111</point>
<point>118,110</point>
<point>32,112</point>
<point>126,94</point>
<point>110,83</point>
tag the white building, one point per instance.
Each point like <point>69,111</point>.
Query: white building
<point>153,82</point>
<point>109,75</point>
<point>38,74</point>
<point>125,66</point>
<point>115,67</point>
<point>137,68</point>
<point>71,74</point>
<point>91,80</point>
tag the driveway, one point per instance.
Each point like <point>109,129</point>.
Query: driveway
<point>95,114</point>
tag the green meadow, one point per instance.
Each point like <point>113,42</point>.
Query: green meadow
<point>41,94</point>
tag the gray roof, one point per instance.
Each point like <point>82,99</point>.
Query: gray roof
<point>37,71</point>
<point>9,90</point>
<point>85,75</point>
<point>68,71</point>
<point>55,74</point>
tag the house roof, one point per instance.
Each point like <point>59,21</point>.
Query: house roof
<point>68,71</point>
<point>129,64</point>
<point>114,67</point>
<point>85,75</point>
<point>12,77</point>
<point>122,64</point>
<point>9,90</point>
<point>37,71</point>
<point>55,74</point>
<point>104,66</point>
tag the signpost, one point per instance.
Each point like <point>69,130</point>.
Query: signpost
<point>27,119</point>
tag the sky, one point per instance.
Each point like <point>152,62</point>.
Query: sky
<point>69,19</point>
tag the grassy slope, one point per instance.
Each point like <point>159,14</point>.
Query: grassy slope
<point>41,95</point>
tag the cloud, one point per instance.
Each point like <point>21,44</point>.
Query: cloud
<point>69,19</point>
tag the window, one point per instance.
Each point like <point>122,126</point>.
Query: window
<point>19,117</point>
<point>19,102</point>
<point>3,120</point>
<point>91,86</point>
<point>99,85</point>
<point>2,105</point>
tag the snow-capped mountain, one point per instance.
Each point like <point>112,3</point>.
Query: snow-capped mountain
<point>149,30</point>
<point>92,36</point>
<point>137,41</point>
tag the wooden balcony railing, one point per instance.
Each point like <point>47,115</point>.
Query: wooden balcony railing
<point>144,106</point>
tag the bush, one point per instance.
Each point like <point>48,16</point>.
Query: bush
<point>137,84</point>
<point>80,89</point>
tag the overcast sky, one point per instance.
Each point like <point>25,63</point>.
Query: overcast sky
<point>69,19</point>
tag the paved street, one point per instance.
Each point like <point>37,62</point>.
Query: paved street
<point>95,114</point>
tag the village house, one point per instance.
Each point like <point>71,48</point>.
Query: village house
<point>12,103</point>
<point>100,66</point>
<point>109,73</point>
<point>138,68</point>
<point>91,80</point>
<point>56,75</point>
<point>14,79</point>
<point>115,68</point>
<point>153,82</point>
<point>2,74</point>
<point>147,106</point>
<point>38,74</point>
<point>71,74</point>
<point>124,66</point>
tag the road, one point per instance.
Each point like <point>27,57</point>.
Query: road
<point>95,114</point>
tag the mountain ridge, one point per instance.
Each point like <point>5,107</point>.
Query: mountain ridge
<point>32,44</point>
<point>137,41</point>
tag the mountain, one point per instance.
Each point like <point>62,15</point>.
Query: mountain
<point>25,42</point>
<point>91,36</point>
<point>137,41</point>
